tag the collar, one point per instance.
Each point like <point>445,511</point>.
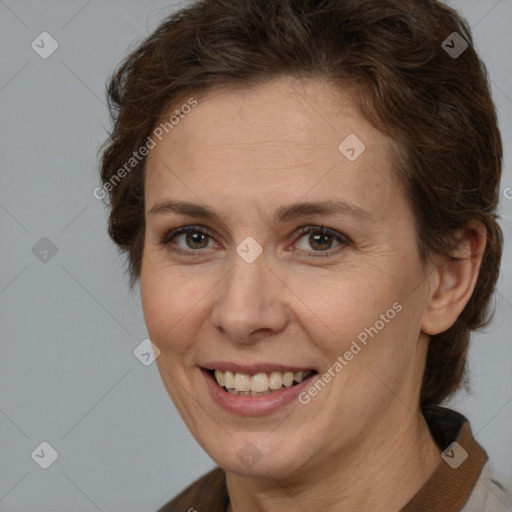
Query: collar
<point>447,489</point>
<point>451,484</point>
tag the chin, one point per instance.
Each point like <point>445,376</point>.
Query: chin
<point>260,456</point>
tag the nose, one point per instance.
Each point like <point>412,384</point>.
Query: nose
<point>249,302</point>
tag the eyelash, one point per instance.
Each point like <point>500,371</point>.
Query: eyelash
<point>173,233</point>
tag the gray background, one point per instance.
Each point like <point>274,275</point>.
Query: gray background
<point>68,375</point>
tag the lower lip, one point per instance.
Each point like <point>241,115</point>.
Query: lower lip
<point>254,405</point>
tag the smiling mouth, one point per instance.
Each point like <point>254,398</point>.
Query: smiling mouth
<point>259,384</point>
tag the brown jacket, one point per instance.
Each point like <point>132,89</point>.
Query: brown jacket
<point>455,486</point>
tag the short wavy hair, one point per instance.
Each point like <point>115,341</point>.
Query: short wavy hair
<point>393,56</point>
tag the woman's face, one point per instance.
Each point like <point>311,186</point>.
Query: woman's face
<point>246,292</point>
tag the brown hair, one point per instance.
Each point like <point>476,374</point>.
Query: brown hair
<point>437,108</point>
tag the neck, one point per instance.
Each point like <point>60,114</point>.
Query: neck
<point>369,476</point>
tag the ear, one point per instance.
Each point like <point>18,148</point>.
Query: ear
<point>453,280</point>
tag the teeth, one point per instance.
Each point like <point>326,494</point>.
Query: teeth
<point>220,377</point>
<point>242,382</point>
<point>229,379</point>
<point>260,383</point>
<point>288,379</point>
<point>275,380</point>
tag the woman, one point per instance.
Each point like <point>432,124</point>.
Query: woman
<point>307,193</point>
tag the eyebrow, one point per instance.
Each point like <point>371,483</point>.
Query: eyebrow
<point>282,214</point>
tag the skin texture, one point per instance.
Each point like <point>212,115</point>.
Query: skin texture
<point>244,154</point>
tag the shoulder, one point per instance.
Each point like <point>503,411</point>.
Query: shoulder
<point>207,493</point>
<point>489,494</point>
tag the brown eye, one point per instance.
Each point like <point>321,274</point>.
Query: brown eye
<point>193,238</point>
<point>320,240</point>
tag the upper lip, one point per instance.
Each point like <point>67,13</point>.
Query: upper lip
<point>227,366</point>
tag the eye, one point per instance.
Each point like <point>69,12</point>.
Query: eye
<point>194,237</point>
<point>198,238</point>
<point>321,240</point>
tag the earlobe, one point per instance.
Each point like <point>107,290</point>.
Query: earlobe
<point>455,281</point>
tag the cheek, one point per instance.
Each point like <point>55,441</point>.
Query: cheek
<point>342,307</point>
<point>332,308</point>
<point>168,305</point>
<point>367,320</point>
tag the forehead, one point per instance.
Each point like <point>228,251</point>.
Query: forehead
<point>282,138</point>
<point>273,115</point>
